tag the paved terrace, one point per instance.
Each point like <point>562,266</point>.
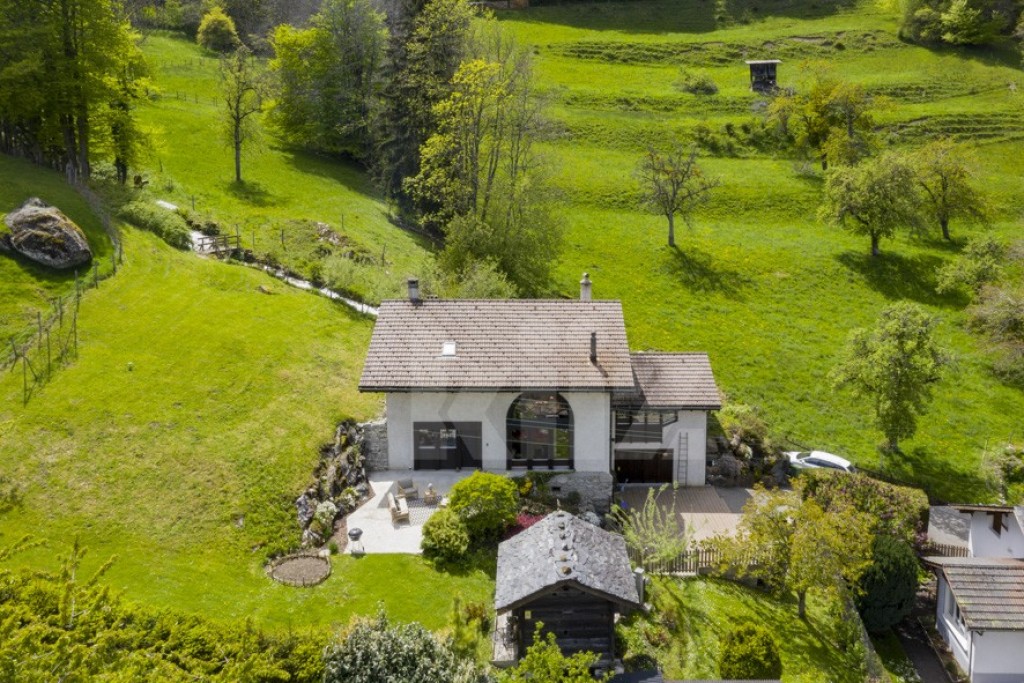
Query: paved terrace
<point>380,534</point>
<point>705,510</point>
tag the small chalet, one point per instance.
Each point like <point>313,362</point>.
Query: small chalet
<point>570,576</point>
<point>980,599</point>
<point>508,385</point>
<point>763,74</point>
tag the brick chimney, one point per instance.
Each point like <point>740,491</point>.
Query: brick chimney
<point>585,287</point>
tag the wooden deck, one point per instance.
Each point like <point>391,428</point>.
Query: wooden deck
<point>705,510</point>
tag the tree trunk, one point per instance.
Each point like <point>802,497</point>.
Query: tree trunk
<point>801,604</point>
<point>875,251</point>
<point>945,229</point>
<point>82,122</point>
<point>671,230</point>
<point>824,162</point>
<point>238,159</point>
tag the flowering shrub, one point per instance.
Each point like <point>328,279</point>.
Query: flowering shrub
<point>899,511</point>
<point>524,521</point>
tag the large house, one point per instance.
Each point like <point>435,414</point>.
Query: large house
<point>980,599</point>
<point>507,385</point>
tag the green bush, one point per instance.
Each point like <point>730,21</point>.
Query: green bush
<point>217,32</point>
<point>373,651</point>
<point>889,585</point>
<point>698,83</point>
<point>749,651</point>
<point>487,503</point>
<point>168,225</point>
<point>899,511</point>
<point>445,537</point>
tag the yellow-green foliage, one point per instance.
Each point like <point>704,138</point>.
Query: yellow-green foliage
<point>217,31</point>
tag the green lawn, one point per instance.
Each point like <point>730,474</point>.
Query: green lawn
<point>182,434</point>
<point>27,288</point>
<point>282,185</point>
<point>759,283</point>
<point>690,617</point>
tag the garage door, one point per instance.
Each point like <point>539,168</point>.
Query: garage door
<point>643,466</point>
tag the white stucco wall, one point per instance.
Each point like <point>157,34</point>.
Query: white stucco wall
<point>983,542</point>
<point>959,642</point>
<point>998,657</point>
<point>591,419</point>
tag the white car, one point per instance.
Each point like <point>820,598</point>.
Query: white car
<point>802,460</point>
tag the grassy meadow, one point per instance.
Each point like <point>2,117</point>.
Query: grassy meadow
<point>758,281</point>
<point>180,437</point>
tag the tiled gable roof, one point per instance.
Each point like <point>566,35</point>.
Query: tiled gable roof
<point>673,380</point>
<point>989,591</point>
<point>498,344</point>
<point>562,549</point>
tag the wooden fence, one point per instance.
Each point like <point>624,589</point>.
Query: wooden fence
<point>692,561</point>
<point>944,549</point>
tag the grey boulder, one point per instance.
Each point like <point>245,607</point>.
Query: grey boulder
<point>42,233</point>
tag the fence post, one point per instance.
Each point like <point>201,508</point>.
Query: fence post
<point>39,323</point>
<point>60,311</point>
<point>49,361</point>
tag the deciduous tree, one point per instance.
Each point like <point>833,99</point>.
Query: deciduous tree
<point>652,530</point>
<point>894,365</point>
<point>674,184</point>
<point>545,663</point>
<point>244,87</point>
<point>875,198</point>
<point>943,172</point>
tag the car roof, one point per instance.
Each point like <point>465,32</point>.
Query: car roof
<point>828,457</point>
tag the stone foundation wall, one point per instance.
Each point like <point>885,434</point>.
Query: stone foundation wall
<point>375,445</point>
<point>594,488</point>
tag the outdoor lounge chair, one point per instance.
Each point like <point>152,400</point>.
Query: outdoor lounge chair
<point>398,507</point>
<point>407,489</point>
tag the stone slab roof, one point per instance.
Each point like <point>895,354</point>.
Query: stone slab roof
<point>559,550</point>
<point>989,591</point>
<point>514,345</point>
<point>672,380</point>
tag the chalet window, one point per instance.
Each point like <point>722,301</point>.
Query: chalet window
<point>642,426</point>
<point>447,445</point>
<point>539,432</point>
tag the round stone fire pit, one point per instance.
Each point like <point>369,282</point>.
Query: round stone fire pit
<point>300,569</point>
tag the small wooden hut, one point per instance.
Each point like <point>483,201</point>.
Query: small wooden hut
<point>569,575</point>
<point>763,74</point>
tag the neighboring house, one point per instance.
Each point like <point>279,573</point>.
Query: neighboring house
<point>980,598</point>
<point>506,385</point>
<point>570,576</point>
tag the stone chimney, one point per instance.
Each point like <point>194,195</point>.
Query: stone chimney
<point>414,290</point>
<point>585,287</point>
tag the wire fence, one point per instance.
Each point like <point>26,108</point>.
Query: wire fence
<point>52,342</point>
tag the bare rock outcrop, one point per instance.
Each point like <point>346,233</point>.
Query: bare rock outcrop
<point>42,233</point>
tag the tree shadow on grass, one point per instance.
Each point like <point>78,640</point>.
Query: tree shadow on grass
<point>483,560</point>
<point>698,272</point>
<point>895,276</point>
<point>342,170</point>
<point>253,193</point>
<point>936,476</point>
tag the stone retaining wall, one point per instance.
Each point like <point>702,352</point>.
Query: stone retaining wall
<point>594,489</point>
<point>375,445</point>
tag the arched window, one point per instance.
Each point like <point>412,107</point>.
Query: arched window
<point>539,431</point>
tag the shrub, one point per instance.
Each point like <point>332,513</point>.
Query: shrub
<point>445,537</point>
<point>372,650</point>
<point>217,32</point>
<point>889,584</point>
<point>167,225</point>
<point>899,511</point>
<point>323,518</point>
<point>749,651</point>
<point>698,83</point>
<point>487,503</point>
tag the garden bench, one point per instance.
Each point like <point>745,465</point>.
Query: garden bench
<point>399,508</point>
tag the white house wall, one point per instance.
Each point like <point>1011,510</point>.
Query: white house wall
<point>959,643</point>
<point>986,543</point>
<point>591,420</point>
<point>998,657</point>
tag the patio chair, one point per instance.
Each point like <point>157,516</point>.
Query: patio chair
<point>407,489</point>
<point>399,509</point>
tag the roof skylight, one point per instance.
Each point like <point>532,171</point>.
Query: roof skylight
<point>448,348</point>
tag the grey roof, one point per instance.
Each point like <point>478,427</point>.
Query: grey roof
<point>499,344</point>
<point>673,380</point>
<point>563,550</point>
<point>989,591</point>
